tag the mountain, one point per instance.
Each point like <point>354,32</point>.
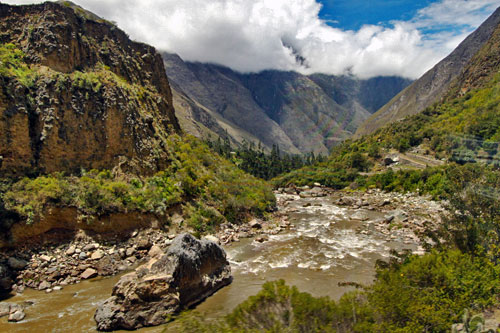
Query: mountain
<point>74,94</point>
<point>462,127</point>
<point>297,112</point>
<point>89,139</point>
<point>434,84</point>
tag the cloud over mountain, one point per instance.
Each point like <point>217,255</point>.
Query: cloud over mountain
<point>251,36</point>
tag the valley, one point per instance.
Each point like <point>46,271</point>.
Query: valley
<point>141,191</point>
<point>328,242</point>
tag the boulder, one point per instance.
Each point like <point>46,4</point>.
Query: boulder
<point>71,250</point>
<point>190,271</point>
<point>16,315</point>
<point>98,254</point>
<point>255,224</point>
<point>212,238</point>
<point>4,309</point>
<point>44,285</point>
<point>88,274</point>
<point>144,244</point>
<point>45,258</point>
<point>17,264</point>
<point>155,251</point>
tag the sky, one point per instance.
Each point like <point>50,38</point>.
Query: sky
<point>364,38</point>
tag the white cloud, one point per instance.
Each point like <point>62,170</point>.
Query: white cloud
<point>267,34</point>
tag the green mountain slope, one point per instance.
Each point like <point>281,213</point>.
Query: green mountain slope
<point>434,84</point>
<point>464,127</point>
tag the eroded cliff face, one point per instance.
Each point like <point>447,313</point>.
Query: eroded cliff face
<point>76,92</point>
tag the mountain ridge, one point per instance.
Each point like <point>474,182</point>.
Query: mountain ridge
<point>433,85</point>
<point>297,112</point>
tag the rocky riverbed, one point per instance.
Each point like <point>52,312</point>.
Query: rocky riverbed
<point>50,266</point>
<point>406,215</point>
<point>332,228</point>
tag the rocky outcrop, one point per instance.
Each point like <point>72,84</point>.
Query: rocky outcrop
<point>83,95</point>
<point>190,271</point>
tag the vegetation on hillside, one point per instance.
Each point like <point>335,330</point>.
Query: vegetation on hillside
<point>411,293</point>
<point>462,130</point>
<point>211,188</point>
<point>259,163</point>
<point>429,293</point>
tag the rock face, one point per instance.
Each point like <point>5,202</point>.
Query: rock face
<point>295,111</point>
<point>434,84</point>
<point>190,271</point>
<point>83,95</point>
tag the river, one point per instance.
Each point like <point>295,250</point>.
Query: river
<point>325,247</point>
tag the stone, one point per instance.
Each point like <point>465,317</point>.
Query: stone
<point>212,238</point>
<point>190,271</point>
<point>57,288</point>
<point>360,215</point>
<point>144,244</point>
<point>98,254</point>
<point>90,247</point>
<point>70,251</point>
<point>78,251</point>
<point>17,315</point>
<point>45,258</point>
<point>155,251</point>
<point>88,274</point>
<point>255,224</point>
<point>262,239</point>
<point>4,308</point>
<point>131,259</point>
<point>17,264</point>
<point>130,251</point>
<point>44,285</point>
<point>82,256</point>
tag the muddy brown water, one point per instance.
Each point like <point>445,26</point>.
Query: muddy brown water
<point>324,249</point>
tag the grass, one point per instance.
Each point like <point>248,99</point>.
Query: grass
<point>212,190</point>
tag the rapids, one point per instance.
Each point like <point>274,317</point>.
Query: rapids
<point>325,247</point>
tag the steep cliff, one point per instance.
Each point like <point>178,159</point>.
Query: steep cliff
<point>76,92</point>
<point>434,84</point>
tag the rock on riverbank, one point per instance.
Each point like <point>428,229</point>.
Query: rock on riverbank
<point>190,271</point>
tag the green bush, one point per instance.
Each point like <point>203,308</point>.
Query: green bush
<point>212,188</point>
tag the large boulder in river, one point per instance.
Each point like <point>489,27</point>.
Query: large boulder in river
<point>190,271</point>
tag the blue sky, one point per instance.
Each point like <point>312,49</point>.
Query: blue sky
<point>352,14</point>
<point>365,38</point>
